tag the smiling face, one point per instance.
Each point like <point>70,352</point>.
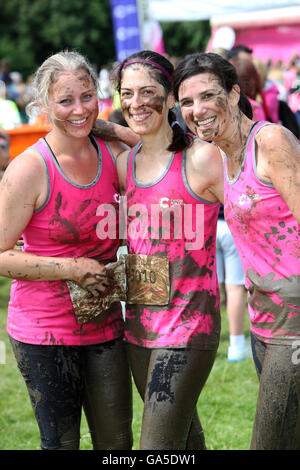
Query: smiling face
<point>143,100</point>
<point>205,106</point>
<point>73,103</point>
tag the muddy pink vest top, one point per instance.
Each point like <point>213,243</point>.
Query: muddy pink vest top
<point>187,238</point>
<point>267,237</point>
<point>65,226</point>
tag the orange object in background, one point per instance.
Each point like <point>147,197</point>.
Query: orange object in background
<point>105,114</point>
<point>25,135</point>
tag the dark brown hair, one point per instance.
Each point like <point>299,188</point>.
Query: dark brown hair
<point>209,62</point>
<point>163,70</point>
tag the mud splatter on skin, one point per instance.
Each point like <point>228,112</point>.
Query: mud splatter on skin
<point>155,102</point>
<point>85,79</point>
<point>221,102</point>
<point>235,154</point>
<point>104,131</point>
<point>222,107</point>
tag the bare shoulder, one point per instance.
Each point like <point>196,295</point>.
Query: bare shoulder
<point>277,155</point>
<point>274,136</point>
<point>278,152</point>
<point>29,164</point>
<point>117,148</point>
<point>278,163</point>
<point>203,153</point>
<point>26,174</point>
<point>22,190</point>
<point>204,169</point>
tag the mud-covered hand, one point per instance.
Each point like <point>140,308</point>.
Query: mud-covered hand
<point>91,275</point>
<point>111,131</point>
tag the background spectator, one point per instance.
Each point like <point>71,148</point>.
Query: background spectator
<point>9,112</point>
<point>4,151</point>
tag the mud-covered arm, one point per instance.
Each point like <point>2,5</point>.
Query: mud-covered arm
<point>110,131</point>
<point>278,162</point>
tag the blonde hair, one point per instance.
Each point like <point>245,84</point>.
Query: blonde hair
<point>48,72</point>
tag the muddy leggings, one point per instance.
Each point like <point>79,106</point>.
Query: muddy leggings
<point>170,381</point>
<point>277,420</point>
<point>63,379</point>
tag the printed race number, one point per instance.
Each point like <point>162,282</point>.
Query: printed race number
<point>142,276</point>
<point>148,280</point>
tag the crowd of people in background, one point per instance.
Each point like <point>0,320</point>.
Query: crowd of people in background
<point>272,88</point>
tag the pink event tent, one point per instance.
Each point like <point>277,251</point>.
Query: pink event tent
<point>270,27</point>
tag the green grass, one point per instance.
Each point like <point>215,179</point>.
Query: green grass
<point>226,406</point>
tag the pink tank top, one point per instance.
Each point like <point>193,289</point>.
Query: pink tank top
<point>267,237</point>
<point>258,110</point>
<point>191,318</point>
<point>66,226</point>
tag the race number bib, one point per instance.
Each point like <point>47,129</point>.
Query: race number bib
<point>148,280</point>
<point>135,279</point>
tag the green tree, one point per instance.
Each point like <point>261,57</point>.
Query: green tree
<point>31,30</point>
<point>185,37</point>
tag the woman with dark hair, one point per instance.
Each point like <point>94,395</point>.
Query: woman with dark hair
<point>215,64</point>
<point>172,183</point>
<point>261,202</point>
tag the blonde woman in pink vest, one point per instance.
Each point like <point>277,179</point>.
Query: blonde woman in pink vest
<point>50,195</point>
<point>171,184</point>
<point>261,203</point>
